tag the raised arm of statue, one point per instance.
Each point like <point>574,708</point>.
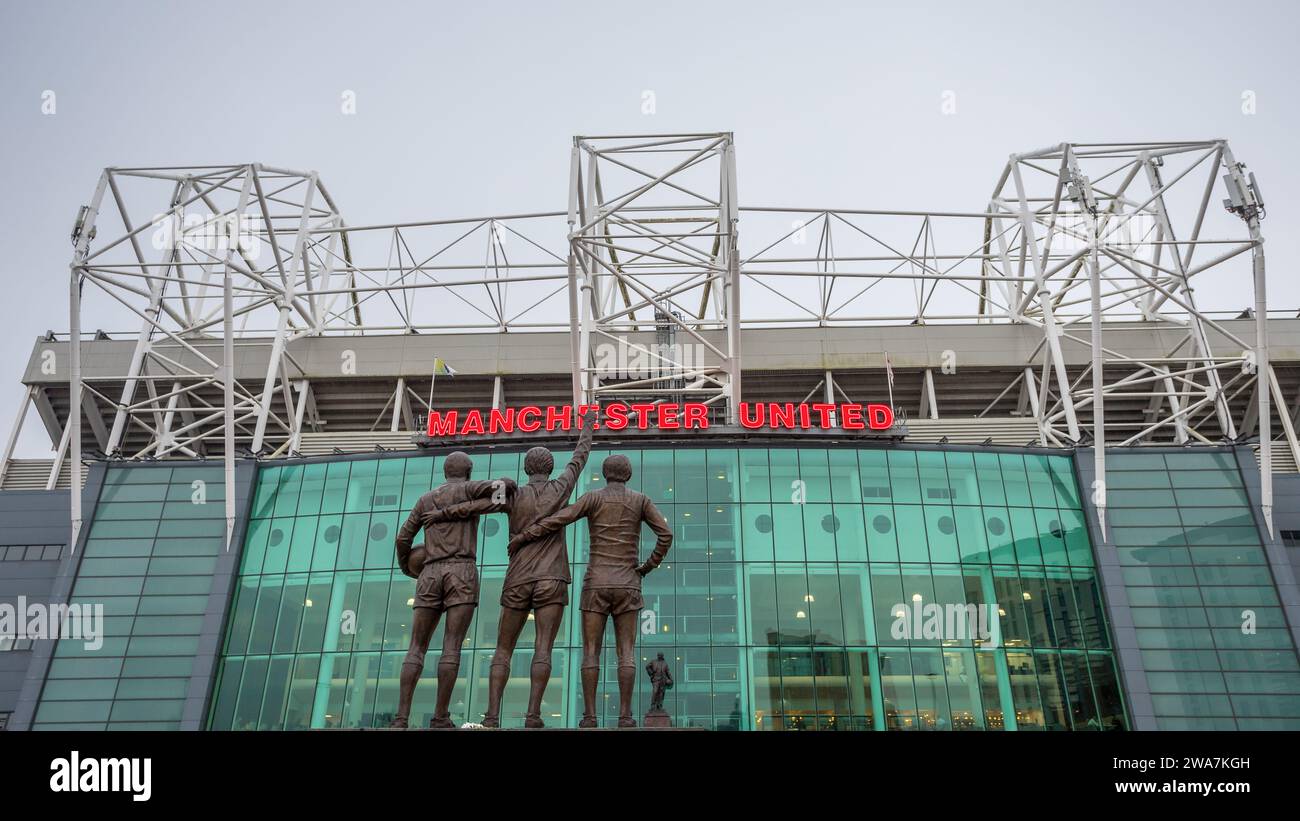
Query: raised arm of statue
<point>568,479</point>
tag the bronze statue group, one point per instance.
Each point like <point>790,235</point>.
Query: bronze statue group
<point>537,578</point>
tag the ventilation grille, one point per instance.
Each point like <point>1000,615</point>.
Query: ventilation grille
<point>33,474</point>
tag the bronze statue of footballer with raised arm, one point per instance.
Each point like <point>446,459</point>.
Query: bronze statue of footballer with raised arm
<point>612,585</point>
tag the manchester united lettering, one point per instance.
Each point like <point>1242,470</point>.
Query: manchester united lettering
<point>666,416</point>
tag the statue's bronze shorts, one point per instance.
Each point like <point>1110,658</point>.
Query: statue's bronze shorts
<point>447,583</point>
<point>535,594</point>
<point>610,600</point>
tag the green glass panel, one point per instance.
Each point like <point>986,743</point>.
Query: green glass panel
<point>182,565</point>
<point>691,532</point>
<point>266,614</point>
<point>133,493</point>
<point>312,489</point>
<point>1051,536</point>
<point>361,486</point>
<point>207,508</point>
<point>372,610</point>
<point>382,531</point>
<point>933,473</point>
<point>114,567</point>
<point>689,479</point>
<point>882,535</point>
<point>1205,479</point>
<point>757,533</point>
<point>1024,680</point>
<point>417,479</point>
<point>1001,541</point>
<point>388,484</point>
<point>1052,691</point>
<point>819,532</point>
<point>755,475</point>
<point>814,471</point>
<point>1211,575</point>
<point>129,510</point>
<point>900,700</point>
<point>325,544</point>
<point>104,548</point>
<point>168,625</point>
<point>904,480</point>
<point>301,693</point>
<point>1141,498</point>
<point>941,534</point>
<point>1146,479</point>
<point>1209,497</point>
<point>962,478</point>
<point>1239,596</point>
<point>657,475</point>
<point>873,470</point>
<point>886,595</point>
<point>988,475</point>
<point>279,540</point>
<point>1078,548</point>
<point>153,474</point>
<point>353,536</point>
<point>723,472</point>
<point>209,528</point>
<point>787,485</point>
<point>334,497</point>
<point>117,586</point>
<point>1024,531</point>
<point>910,525</point>
<point>287,490</point>
<point>845,480</point>
<point>188,547</point>
<point>163,646</point>
<point>1015,479</point>
<point>788,532</point>
<point>971,537</point>
<point>1062,471</point>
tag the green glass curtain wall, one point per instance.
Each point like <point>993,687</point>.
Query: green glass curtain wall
<point>149,559</point>
<point>1211,631</point>
<point>774,608</point>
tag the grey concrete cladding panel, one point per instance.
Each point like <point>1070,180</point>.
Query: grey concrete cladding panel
<point>909,346</point>
<point>1286,512</point>
<point>35,581</point>
<point>27,517</point>
<point>33,517</point>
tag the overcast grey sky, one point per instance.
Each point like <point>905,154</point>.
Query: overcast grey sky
<point>468,109</point>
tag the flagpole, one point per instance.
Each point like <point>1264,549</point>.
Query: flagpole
<point>889,379</point>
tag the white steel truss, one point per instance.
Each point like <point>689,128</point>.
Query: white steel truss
<point>1075,237</point>
<point>652,242</point>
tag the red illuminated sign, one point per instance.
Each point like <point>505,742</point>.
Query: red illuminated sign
<point>669,416</point>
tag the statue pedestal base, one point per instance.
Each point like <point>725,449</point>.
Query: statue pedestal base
<point>657,718</point>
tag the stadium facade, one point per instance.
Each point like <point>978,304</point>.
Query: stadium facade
<point>1019,417</point>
